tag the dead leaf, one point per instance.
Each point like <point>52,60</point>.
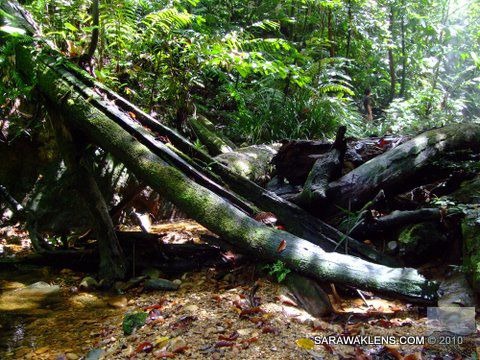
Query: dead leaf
<point>392,350</point>
<point>224,343</point>
<point>232,337</point>
<point>360,354</point>
<point>415,356</point>
<point>305,343</point>
<point>252,311</point>
<point>144,347</point>
<point>270,330</point>
<point>282,246</point>
<point>183,322</point>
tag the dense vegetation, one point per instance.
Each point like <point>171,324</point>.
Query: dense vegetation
<point>267,70</point>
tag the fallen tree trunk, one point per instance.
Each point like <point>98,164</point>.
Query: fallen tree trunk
<point>396,170</point>
<point>207,134</point>
<point>295,219</point>
<point>396,219</point>
<point>211,210</point>
<point>327,167</point>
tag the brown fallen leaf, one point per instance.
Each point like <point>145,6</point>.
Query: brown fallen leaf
<point>251,311</point>
<point>282,246</point>
<point>144,347</point>
<point>270,330</point>
<point>224,343</point>
<point>232,337</point>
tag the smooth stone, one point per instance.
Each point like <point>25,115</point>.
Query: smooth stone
<point>160,284</point>
<point>88,283</point>
<point>118,302</point>
<point>95,354</point>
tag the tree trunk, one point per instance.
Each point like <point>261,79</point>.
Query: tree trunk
<point>211,210</point>
<point>112,261</point>
<point>391,60</point>
<point>398,169</point>
<point>403,80</point>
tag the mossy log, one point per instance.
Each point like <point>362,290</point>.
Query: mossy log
<point>327,167</point>
<point>469,195</point>
<point>205,131</point>
<point>252,162</point>
<point>211,210</point>
<point>398,169</point>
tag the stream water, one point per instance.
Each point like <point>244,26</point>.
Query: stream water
<point>43,315</point>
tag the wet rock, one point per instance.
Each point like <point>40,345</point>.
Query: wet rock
<point>30,297</point>
<point>95,354</point>
<point>85,300</point>
<point>118,302</point>
<point>89,283</point>
<point>456,291</point>
<point>41,287</point>
<point>160,284</point>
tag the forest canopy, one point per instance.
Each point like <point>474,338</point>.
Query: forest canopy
<point>268,70</point>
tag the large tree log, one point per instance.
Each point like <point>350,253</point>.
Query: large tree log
<point>327,167</point>
<point>209,209</point>
<point>296,220</point>
<point>398,169</point>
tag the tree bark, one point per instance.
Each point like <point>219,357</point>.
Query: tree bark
<point>327,167</point>
<point>113,264</point>
<point>391,59</point>
<point>396,170</point>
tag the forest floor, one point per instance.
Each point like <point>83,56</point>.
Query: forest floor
<point>208,317</point>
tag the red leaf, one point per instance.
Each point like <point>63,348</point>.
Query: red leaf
<point>155,306</point>
<point>232,337</point>
<point>183,322</point>
<point>144,347</point>
<point>382,143</point>
<point>217,298</point>
<point>282,246</point>
<point>249,340</point>
<point>251,311</point>
<point>224,343</point>
<point>270,330</point>
<point>246,342</point>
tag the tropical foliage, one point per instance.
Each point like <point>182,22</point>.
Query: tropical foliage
<point>267,70</point>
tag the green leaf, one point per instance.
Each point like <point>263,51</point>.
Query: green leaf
<point>133,321</point>
<point>70,27</point>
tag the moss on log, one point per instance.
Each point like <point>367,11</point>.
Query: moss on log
<point>252,162</point>
<point>205,131</point>
<point>397,169</point>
